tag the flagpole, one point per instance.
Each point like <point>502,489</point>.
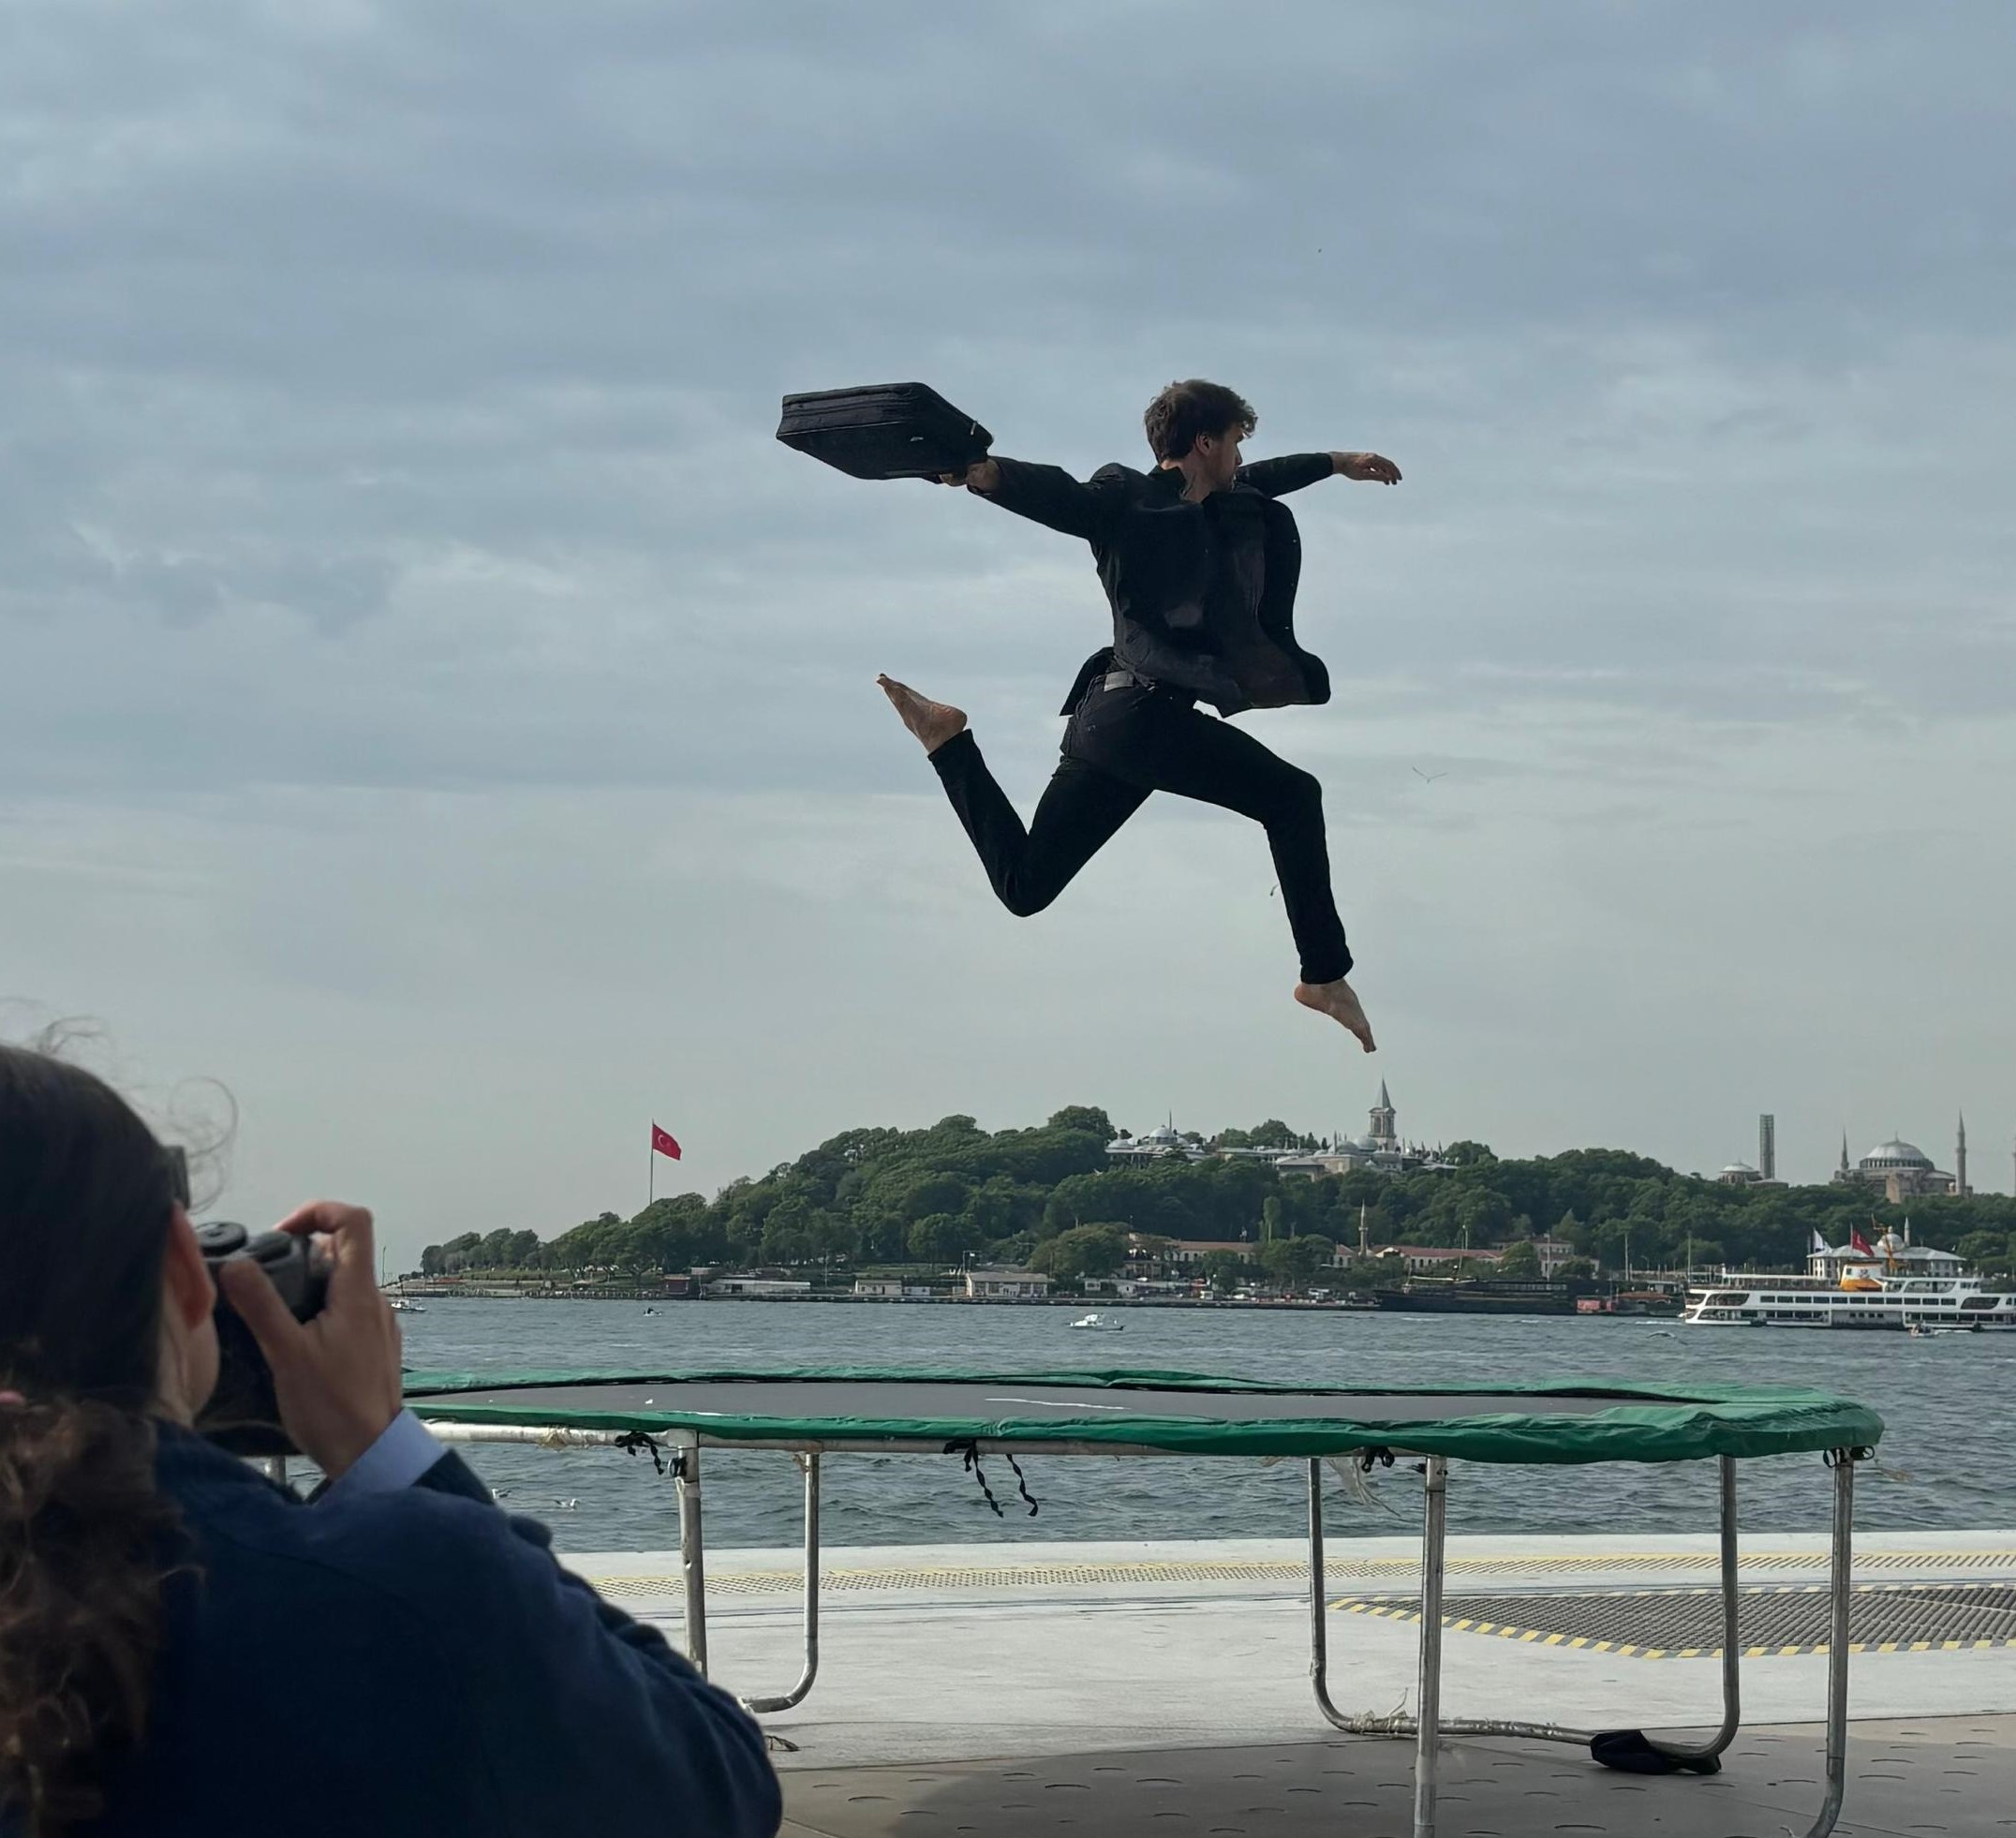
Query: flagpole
<point>650,1180</point>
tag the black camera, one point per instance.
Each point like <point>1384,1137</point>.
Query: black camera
<point>243,1414</point>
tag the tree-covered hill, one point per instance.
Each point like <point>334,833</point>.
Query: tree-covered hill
<point>873,1197</point>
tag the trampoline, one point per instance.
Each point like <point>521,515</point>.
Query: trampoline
<point>817,1413</point>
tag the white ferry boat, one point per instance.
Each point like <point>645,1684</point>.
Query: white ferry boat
<point>1890,1283</point>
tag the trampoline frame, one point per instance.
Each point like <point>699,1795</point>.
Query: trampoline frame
<point>1427,1726</point>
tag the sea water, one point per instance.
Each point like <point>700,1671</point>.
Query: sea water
<point>1943,1462</point>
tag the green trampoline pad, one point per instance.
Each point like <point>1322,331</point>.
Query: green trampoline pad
<point>1566,1420</point>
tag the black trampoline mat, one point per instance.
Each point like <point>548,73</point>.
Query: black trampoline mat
<point>842,1402</point>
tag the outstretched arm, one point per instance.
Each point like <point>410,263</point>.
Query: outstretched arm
<point>1366,465</point>
<point>1047,494</point>
<point>1276,478</point>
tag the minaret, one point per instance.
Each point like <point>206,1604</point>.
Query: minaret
<point>1959,1159</point>
<point>1384,1117</point>
<point>1768,1147</point>
<point>1842,1174</point>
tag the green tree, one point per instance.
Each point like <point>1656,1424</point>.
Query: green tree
<point>1270,1218</point>
<point>1295,1263</point>
<point>944,1237</point>
<point>1520,1260</point>
<point>1095,1251</point>
<point>1088,1119</point>
<point>1223,1270</point>
<point>936,1192</point>
<point>1468,1155</point>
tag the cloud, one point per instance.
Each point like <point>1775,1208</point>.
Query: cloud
<point>388,433</point>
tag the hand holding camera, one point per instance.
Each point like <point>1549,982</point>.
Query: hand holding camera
<point>335,1367</point>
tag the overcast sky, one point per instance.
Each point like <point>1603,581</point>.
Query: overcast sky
<point>434,708</point>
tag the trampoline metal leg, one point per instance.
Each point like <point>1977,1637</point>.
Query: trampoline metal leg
<point>810,1462</point>
<point>692,1557</point>
<point>1837,1641</point>
<point>1732,1712</point>
<point>1428,1728</point>
<point>1398,1723</point>
<point>1319,1642</point>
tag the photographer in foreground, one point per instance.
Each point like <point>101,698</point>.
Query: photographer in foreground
<point>187,1648</point>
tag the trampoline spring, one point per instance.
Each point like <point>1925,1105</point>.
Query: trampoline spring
<point>639,1440</point>
<point>970,1454</point>
<point>1022,1487</point>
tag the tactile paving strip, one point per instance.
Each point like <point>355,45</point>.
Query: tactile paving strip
<point>1686,1624</point>
<point>1337,1569</point>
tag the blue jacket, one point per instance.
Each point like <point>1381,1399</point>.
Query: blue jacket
<point>415,1663</point>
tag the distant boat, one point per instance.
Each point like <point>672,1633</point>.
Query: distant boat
<point>1895,1300</point>
<point>399,1305</point>
<point>1099,1323</point>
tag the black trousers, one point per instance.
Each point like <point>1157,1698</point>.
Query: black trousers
<point>1121,744</point>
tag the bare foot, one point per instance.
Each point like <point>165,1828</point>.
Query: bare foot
<point>1340,1004</point>
<point>932,722</point>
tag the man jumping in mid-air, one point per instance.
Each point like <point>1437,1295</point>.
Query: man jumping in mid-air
<point>1199,560</point>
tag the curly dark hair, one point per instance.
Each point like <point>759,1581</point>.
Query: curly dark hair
<point>1185,410</point>
<point>86,1536</point>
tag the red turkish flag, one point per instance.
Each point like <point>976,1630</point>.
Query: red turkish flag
<point>1857,1242</point>
<point>662,1143</point>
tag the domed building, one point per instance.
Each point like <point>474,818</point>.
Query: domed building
<point>1901,1169</point>
<point>1859,1266</point>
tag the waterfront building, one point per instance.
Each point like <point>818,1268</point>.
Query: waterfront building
<point>1553,1252</point>
<point>1891,1254</point>
<point>1427,1259</point>
<point>1149,1255</point>
<point>774,1289</point>
<point>1006,1285</point>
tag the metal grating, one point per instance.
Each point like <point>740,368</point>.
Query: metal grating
<point>1285,1570</point>
<point>1686,1624</point>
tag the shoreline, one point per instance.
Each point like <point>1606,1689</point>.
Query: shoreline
<point>423,1293</point>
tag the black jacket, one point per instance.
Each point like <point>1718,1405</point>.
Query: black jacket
<point>414,1664</point>
<point>1203,594</point>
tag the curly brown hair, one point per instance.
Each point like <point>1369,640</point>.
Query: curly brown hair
<point>86,1536</point>
<point>1184,411</point>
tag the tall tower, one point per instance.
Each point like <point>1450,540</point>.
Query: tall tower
<point>1959,1159</point>
<point>1768,1145</point>
<point>1383,1118</point>
<point>1842,1174</point>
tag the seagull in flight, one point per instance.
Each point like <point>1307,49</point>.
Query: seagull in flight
<point>1427,778</point>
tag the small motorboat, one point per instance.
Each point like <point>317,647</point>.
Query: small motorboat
<point>1096,1322</point>
<point>399,1305</point>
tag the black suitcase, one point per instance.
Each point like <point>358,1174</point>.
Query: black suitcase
<point>883,431</point>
